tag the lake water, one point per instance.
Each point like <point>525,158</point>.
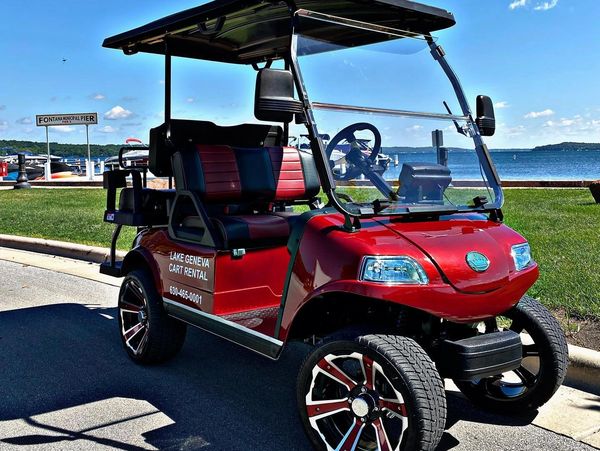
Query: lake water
<point>518,165</point>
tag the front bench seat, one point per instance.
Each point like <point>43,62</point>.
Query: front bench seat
<point>234,183</point>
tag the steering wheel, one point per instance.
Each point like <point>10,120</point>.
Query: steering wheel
<point>355,158</point>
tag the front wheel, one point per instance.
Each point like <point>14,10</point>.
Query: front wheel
<point>542,370</point>
<point>149,335</point>
<point>380,392</point>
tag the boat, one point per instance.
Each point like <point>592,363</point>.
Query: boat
<point>136,157</point>
<point>35,167</point>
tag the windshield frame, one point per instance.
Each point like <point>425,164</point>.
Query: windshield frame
<point>318,147</point>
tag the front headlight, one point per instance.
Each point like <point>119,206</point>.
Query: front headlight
<point>393,270</point>
<point>521,254</point>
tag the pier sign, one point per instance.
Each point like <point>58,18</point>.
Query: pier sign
<point>49,120</point>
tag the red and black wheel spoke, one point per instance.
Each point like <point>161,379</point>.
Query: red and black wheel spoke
<point>394,406</point>
<point>335,373</point>
<point>353,405</point>
<point>143,340</point>
<point>135,291</point>
<point>133,315</point>
<point>128,307</point>
<point>324,408</point>
<point>382,438</point>
<point>351,438</point>
<point>130,333</point>
<point>369,372</point>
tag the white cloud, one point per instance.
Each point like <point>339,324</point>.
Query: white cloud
<point>539,6</point>
<point>117,112</point>
<point>2,107</point>
<point>517,4</point>
<point>64,128</point>
<point>537,114</point>
<point>501,105</point>
<point>98,96</point>
<point>414,128</point>
<point>565,122</point>
<point>161,82</point>
<point>545,6</point>
<point>25,121</point>
<point>510,132</point>
<point>190,100</point>
<point>107,129</point>
<point>3,125</point>
<point>576,128</point>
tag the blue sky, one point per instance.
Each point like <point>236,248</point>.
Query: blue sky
<point>537,59</point>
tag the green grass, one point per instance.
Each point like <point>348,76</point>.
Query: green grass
<point>562,226</point>
<point>73,215</point>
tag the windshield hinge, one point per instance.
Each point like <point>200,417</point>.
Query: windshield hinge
<point>351,224</point>
<point>438,52</point>
<point>497,215</point>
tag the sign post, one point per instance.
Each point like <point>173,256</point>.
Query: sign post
<point>50,120</point>
<point>48,166</point>
<point>91,163</point>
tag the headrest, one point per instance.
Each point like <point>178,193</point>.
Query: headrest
<point>186,132</point>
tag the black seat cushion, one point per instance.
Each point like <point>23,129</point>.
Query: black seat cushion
<point>153,208</point>
<point>249,231</point>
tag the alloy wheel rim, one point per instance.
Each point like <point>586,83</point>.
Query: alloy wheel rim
<point>355,407</point>
<point>133,312</point>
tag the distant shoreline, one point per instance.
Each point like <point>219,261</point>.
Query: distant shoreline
<point>10,147</point>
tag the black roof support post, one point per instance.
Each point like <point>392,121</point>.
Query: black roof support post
<point>167,87</point>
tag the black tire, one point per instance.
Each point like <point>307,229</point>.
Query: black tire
<point>148,334</point>
<point>549,353</point>
<point>403,380</point>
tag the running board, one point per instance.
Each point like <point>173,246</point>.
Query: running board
<point>248,338</point>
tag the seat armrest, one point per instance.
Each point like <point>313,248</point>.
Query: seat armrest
<point>113,180</point>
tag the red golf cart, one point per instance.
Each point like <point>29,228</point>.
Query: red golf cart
<point>399,275</point>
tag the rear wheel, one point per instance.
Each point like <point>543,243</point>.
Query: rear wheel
<point>542,371</point>
<point>379,392</point>
<point>149,335</point>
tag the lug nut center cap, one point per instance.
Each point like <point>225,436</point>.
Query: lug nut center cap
<point>360,407</point>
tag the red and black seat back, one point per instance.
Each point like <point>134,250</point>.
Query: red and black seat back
<point>183,132</point>
<point>228,175</point>
<point>295,174</point>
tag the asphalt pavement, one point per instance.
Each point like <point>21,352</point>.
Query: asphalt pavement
<point>66,383</point>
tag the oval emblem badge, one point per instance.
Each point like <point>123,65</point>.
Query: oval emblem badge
<point>478,262</point>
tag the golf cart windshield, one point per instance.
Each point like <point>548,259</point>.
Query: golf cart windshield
<point>395,134</point>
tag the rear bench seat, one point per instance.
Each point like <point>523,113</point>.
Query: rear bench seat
<point>238,187</point>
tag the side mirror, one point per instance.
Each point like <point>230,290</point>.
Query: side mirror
<point>275,100</point>
<point>486,118</point>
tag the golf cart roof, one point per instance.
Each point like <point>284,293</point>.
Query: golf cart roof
<point>250,31</point>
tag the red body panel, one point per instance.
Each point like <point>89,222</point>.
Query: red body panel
<point>248,290</point>
<point>329,260</point>
<point>448,242</point>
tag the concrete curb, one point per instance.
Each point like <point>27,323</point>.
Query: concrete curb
<point>584,369</point>
<point>59,248</point>
<point>584,366</point>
